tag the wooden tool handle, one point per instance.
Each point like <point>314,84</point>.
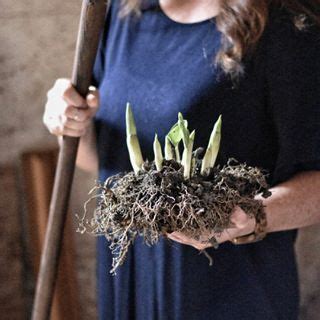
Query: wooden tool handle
<point>91,23</point>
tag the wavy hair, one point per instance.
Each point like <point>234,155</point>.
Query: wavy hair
<point>242,23</point>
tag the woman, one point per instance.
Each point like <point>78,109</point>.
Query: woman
<point>256,63</point>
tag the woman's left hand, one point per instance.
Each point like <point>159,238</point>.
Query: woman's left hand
<point>243,225</point>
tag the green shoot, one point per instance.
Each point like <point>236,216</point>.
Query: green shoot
<point>187,156</point>
<point>177,154</point>
<point>188,145</point>
<point>168,150</point>
<point>184,130</point>
<point>133,145</point>
<point>210,156</point>
<point>158,157</point>
<point>175,136</point>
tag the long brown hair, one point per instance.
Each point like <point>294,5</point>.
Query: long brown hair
<point>242,23</point>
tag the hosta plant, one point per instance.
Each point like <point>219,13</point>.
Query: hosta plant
<point>184,190</point>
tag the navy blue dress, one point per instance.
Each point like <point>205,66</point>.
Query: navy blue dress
<point>271,119</point>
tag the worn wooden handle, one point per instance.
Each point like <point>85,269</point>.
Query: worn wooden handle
<point>91,23</point>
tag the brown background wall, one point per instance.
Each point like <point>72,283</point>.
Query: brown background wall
<point>37,41</point>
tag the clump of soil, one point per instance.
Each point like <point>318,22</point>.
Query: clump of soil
<point>154,203</point>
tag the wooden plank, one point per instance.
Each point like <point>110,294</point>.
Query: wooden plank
<point>13,299</point>
<point>38,169</point>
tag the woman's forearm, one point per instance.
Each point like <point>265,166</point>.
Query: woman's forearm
<point>294,203</point>
<point>87,157</point>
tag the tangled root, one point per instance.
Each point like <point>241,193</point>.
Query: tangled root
<point>154,203</point>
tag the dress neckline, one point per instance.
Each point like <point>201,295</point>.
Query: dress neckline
<point>184,24</point>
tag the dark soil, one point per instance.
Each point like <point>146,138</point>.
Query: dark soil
<point>154,203</point>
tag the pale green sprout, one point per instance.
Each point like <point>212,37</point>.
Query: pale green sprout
<point>211,154</point>
<point>177,153</point>
<point>168,150</point>
<point>175,136</point>
<point>187,156</point>
<point>177,133</point>
<point>188,140</point>
<point>158,157</point>
<point>184,130</point>
<point>133,145</point>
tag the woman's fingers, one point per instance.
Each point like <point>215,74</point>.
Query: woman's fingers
<point>242,224</point>
<point>77,114</point>
<point>74,124</point>
<point>67,112</point>
<point>68,132</point>
<point>65,90</point>
<point>93,98</point>
<point>183,239</point>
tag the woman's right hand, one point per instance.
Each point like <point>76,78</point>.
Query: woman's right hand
<point>67,112</point>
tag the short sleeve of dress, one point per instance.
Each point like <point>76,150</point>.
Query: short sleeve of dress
<point>293,80</point>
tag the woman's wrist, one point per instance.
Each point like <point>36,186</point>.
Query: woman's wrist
<point>87,158</point>
<point>258,232</point>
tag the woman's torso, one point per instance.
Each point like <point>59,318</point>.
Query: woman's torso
<point>162,67</point>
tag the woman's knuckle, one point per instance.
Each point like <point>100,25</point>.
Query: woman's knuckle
<point>67,93</point>
<point>64,121</point>
<point>88,116</point>
<point>79,113</point>
<point>68,111</point>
